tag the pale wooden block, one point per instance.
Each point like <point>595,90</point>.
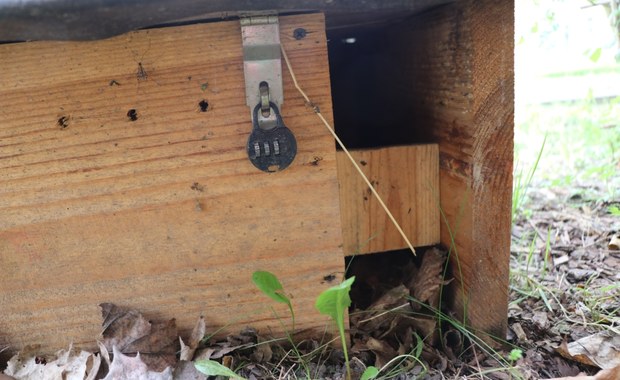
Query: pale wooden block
<point>407,179</point>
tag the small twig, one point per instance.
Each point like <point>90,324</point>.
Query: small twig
<point>346,151</point>
<point>285,375</point>
<point>477,362</point>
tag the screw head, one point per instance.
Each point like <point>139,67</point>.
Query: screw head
<point>299,33</point>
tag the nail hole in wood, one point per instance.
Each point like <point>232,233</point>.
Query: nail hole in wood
<point>132,114</point>
<point>63,122</point>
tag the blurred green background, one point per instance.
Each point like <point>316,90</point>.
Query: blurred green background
<point>567,89</point>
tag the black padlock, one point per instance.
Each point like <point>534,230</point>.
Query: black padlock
<point>271,149</point>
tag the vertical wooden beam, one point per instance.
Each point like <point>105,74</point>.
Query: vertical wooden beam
<point>454,70</point>
<point>492,26</point>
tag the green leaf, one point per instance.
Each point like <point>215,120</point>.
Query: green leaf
<point>419,345</point>
<point>269,284</point>
<point>333,302</point>
<point>370,373</point>
<point>213,368</point>
<point>515,355</point>
<point>614,210</point>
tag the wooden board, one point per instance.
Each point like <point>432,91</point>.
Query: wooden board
<point>407,179</point>
<point>453,68</point>
<point>164,213</point>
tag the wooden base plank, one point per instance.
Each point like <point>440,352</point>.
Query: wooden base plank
<point>163,213</point>
<point>407,179</point>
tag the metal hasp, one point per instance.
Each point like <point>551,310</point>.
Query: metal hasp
<point>271,146</point>
<point>262,64</point>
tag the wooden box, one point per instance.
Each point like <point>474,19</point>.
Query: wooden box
<point>166,214</point>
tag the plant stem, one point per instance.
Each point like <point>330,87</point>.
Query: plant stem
<point>344,349</point>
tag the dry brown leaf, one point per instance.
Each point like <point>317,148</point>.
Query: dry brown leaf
<point>382,350</point>
<point>185,351</point>
<point>247,338</point>
<point>65,366</point>
<point>127,367</point>
<point>121,327</point>
<point>497,375</point>
<point>186,370</point>
<point>6,377</point>
<point>93,368</point>
<point>435,358</point>
<point>541,319</point>
<point>563,367</point>
<point>131,333</point>
<point>262,353</point>
<point>425,285</point>
<point>606,374</point>
<point>378,319</point>
<point>406,346</point>
<point>227,361</point>
<point>518,330</point>
<point>601,350</point>
<point>194,340</point>
<point>103,352</point>
<point>614,243</point>
<point>218,350</point>
<point>425,326</point>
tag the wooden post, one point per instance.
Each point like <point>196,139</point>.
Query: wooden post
<point>453,66</point>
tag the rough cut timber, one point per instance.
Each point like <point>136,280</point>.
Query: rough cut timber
<point>116,187</point>
<point>453,67</point>
<point>407,179</point>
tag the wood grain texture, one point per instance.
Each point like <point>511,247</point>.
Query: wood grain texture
<point>165,213</point>
<point>454,68</point>
<point>407,179</point>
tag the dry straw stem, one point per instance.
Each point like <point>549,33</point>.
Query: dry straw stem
<point>346,151</point>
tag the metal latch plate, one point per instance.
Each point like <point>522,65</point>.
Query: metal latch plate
<point>262,58</point>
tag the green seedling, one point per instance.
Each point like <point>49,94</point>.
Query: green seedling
<point>370,373</point>
<point>213,368</point>
<point>515,354</point>
<point>269,284</point>
<point>334,302</point>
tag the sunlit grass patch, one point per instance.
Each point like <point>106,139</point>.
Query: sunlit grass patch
<point>583,142</point>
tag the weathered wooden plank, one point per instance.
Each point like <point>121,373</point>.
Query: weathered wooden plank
<point>164,213</point>
<point>407,179</point>
<point>454,70</point>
